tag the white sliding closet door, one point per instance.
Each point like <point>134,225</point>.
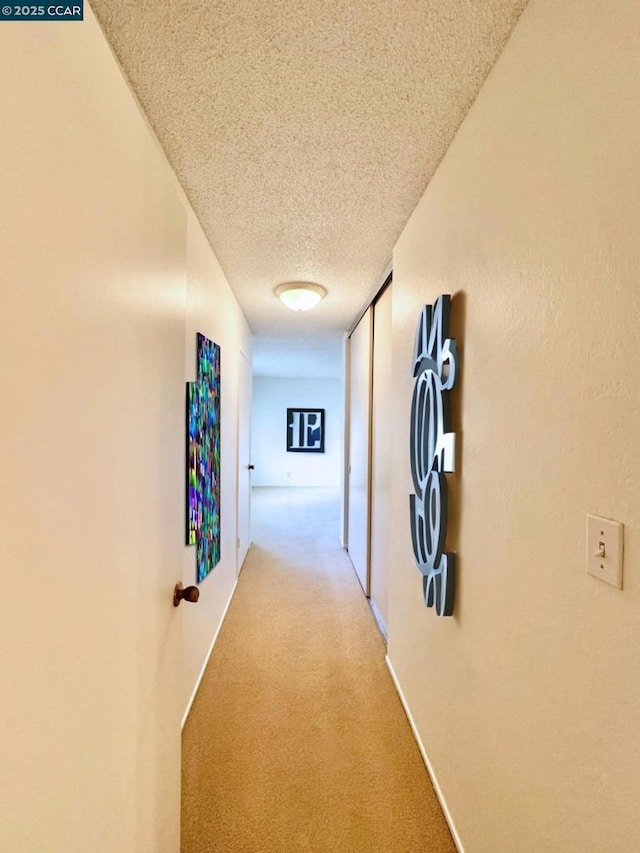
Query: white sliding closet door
<point>382,425</point>
<point>360,447</point>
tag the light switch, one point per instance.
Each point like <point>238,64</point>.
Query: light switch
<point>604,549</point>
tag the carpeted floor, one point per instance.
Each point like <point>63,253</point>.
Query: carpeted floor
<point>297,740</point>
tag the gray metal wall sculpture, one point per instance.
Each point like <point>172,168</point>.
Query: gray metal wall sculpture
<point>435,361</point>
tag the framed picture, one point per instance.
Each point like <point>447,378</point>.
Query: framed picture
<point>305,430</point>
<point>203,458</point>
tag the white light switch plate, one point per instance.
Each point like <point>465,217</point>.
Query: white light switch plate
<point>604,549</point>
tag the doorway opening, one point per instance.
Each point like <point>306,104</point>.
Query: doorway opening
<point>297,426</point>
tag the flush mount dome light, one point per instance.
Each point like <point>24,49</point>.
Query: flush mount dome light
<point>300,295</point>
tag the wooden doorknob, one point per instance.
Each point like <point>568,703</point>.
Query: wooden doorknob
<point>190,593</point>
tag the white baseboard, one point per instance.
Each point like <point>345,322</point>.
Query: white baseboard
<point>425,758</point>
<point>379,621</point>
<point>206,660</point>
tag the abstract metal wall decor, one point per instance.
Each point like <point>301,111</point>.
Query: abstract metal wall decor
<point>432,448</point>
<point>203,458</point>
<point>305,430</point>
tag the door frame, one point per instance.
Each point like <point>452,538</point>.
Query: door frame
<point>240,461</point>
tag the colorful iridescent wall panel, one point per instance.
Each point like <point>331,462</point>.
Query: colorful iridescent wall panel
<point>203,458</point>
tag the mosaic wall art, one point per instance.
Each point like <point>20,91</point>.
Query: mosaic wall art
<point>203,458</point>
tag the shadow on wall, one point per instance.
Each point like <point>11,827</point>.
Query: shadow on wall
<point>457,326</point>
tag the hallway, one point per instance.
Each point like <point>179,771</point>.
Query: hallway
<point>297,740</point>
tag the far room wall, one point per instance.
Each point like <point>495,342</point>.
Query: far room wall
<point>274,466</point>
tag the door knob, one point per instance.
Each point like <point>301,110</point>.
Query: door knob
<point>191,593</point>
<point>251,467</point>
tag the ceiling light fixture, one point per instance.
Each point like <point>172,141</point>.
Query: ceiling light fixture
<point>300,295</point>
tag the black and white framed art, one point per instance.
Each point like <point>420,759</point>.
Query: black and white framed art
<point>305,430</point>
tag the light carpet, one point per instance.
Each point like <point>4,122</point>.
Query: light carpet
<point>297,740</point>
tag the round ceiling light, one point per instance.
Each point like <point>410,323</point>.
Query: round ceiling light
<point>300,295</point>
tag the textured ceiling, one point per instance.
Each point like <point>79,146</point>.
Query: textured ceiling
<point>304,133</point>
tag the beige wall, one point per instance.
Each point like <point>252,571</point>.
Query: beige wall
<point>98,260</point>
<point>527,700</point>
<point>213,310</point>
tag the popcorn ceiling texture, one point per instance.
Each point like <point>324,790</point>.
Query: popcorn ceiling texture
<point>305,133</point>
